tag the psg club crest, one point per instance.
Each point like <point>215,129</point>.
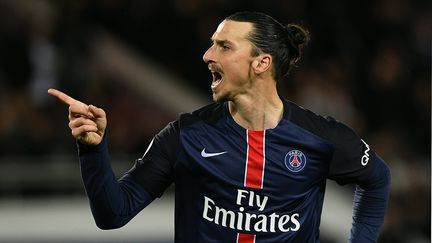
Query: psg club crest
<point>295,160</point>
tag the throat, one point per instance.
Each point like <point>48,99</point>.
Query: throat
<point>256,117</point>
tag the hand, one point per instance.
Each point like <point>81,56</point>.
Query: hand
<point>87,122</point>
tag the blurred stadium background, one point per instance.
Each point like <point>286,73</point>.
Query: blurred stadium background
<point>368,65</point>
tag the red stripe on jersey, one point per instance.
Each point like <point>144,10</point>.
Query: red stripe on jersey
<point>254,174</point>
<point>245,238</point>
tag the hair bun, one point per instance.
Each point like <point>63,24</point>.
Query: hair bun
<point>298,38</point>
<point>298,34</point>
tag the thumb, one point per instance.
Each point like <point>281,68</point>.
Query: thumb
<point>97,112</point>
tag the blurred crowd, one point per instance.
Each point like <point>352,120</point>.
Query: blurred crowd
<point>368,64</point>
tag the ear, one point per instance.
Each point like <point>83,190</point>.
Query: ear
<point>262,63</point>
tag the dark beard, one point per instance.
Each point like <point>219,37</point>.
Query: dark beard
<point>221,98</point>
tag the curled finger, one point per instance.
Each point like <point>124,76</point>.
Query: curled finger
<point>81,130</point>
<point>80,121</point>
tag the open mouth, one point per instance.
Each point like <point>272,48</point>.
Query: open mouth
<point>217,79</point>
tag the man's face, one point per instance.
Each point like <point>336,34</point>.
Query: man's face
<point>229,60</point>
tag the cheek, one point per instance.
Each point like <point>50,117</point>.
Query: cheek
<point>241,72</point>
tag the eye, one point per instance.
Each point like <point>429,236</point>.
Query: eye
<point>225,47</point>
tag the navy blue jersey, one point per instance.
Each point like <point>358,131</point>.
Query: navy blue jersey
<point>239,185</point>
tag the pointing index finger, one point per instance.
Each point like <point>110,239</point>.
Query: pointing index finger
<point>62,96</point>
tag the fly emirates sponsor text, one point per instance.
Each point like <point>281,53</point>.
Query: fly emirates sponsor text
<point>245,221</point>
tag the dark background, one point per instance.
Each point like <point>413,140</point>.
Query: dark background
<point>368,64</point>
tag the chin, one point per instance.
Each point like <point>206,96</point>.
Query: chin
<point>219,97</point>
<point>216,98</point>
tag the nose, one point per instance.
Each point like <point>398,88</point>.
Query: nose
<point>208,55</point>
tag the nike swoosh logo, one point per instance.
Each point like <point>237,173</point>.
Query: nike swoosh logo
<point>206,155</point>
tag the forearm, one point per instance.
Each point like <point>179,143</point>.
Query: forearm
<point>370,203</point>
<point>113,202</point>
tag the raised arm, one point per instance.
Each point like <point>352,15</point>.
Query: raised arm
<point>113,202</point>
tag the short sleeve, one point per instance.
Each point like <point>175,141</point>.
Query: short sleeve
<point>155,170</point>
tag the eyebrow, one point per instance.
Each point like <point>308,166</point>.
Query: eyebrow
<point>221,42</point>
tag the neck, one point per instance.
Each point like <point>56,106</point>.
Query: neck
<point>259,110</point>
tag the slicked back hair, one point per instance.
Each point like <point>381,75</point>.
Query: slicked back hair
<point>283,43</point>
